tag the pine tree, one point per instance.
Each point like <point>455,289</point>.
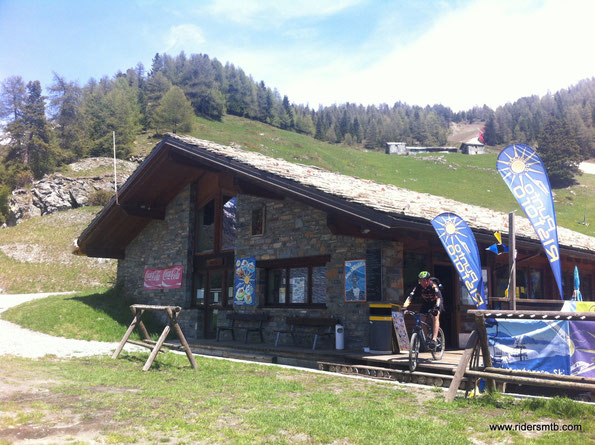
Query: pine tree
<point>67,115</point>
<point>289,112</point>
<point>154,89</point>
<point>560,152</point>
<point>36,152</point>
<point>115,110</point>
<point>174,111</point>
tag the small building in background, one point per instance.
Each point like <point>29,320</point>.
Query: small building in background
<point>396,148</point>
<point>473,147</point>
<point>400,148</point>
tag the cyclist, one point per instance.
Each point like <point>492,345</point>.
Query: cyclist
<point>432,303</point>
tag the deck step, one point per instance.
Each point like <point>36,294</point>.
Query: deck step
<point>399,375</point>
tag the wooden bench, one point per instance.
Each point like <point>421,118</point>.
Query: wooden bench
<point>317,326</point>
<point>248,321</point>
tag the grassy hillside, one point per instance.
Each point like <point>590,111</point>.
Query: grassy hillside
<point>101,314</point>
<point>35,256</point>
<point>470,179</point>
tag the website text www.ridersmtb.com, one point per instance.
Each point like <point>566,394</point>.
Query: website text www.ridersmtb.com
<point>535,427</point>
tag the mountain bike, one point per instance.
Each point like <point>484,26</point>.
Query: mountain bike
<point>421,332</point>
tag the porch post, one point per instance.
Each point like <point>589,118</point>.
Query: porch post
<point>512,260</point>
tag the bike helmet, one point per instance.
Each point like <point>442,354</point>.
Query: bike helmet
<point>424,274</point>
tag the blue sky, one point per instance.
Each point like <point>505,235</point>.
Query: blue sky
<point>459,53</point>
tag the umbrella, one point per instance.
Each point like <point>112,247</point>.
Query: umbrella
<point>576,295</point>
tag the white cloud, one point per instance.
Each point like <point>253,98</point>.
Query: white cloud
<point>187,37</point>
<point>490,52</point>
<point>274,12</point>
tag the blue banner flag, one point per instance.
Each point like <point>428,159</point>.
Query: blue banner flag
<point>458,240</point>
<point>526,177</point>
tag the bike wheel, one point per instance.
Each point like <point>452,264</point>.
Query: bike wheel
<point>413,352</point>
<point>438,351</point>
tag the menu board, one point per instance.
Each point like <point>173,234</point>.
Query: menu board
<point>400,330</point>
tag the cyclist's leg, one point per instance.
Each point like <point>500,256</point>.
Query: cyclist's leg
<point>435,325</point>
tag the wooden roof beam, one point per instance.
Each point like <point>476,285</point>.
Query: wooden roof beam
<point>144,210</point>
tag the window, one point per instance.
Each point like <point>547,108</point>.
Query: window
<point>228,241</point>
<point>466,297</point>
<point>216,225</point>
<point>258,215</point>
<point>529,282</point>
<point>295,281</point>
<point>213,288</point>
<point>206,227</point>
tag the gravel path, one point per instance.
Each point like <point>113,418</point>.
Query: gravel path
<point>15,340</point>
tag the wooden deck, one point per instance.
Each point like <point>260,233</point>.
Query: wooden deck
<point>306,357</point>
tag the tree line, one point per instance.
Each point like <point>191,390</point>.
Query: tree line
<point>73,121</point>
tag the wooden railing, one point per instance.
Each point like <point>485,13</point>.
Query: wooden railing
<point>478,343</point>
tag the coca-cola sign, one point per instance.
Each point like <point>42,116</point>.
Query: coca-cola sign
<point>170,278</point>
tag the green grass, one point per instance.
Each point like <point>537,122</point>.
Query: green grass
<point>102,315</point>
<point>468,179</point>
<point>228,402</point>
<point>36,255</point>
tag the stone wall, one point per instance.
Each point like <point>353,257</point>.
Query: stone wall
<point>292,230</point>
<point>295,230</point>
<point>160,245</point>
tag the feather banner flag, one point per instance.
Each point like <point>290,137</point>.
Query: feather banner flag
<point>459,242</point>
<point>526,177</point>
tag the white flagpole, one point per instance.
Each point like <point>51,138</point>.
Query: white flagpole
<point>115,178</point>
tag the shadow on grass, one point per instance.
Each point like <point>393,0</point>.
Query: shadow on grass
<point>162,361</point>
<point>114,305</point>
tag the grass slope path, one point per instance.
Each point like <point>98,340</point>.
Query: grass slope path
<point>17,341</point>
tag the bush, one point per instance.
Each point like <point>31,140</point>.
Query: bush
<point>100,197</point>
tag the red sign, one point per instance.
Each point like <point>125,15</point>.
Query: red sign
<point>170,278</point>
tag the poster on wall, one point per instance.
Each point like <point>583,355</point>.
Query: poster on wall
<point>245,281</point>
<point>170,278</point>
<point>298,289</point>
<point>355,281</point>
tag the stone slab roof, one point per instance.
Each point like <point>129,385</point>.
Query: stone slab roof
<point>388,198</point>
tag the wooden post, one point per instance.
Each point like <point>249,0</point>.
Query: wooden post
<point>533,381</point>
<point>135,321</point>
<point>463,363</point>
<point>180,334</point>
<point>485,348</point>
<point>141,326</point>
<point>512,260</point>
<point>157,347</point>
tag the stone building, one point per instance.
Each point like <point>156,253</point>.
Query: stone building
<point>473,147</point>
<point>202,206</point>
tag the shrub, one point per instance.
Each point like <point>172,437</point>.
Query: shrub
<point>100,197</point>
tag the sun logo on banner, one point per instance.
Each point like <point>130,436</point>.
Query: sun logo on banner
<point>450,228</point>
<point>519,164</point>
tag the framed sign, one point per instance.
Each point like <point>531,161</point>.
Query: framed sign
<point>400,330</point>
<point>355,281</point>
<point>170,278</point>
<point>245,280</point>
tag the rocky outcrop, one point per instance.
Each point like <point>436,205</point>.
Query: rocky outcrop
<point>56,192</point>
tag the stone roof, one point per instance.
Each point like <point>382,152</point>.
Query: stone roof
<point>388,198</point>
